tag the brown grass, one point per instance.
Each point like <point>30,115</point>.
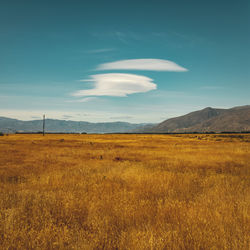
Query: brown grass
<point>125,192</point>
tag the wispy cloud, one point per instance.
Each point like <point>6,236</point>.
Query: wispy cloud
<point>116,84</point>
<point>142,64</point>
<point>87,99</point>
<point>211,87</point>
<point>98,51</point>
<point>36,117</point>
<point>123,37</point>
<point>121,117</point>
<point>67,117</point>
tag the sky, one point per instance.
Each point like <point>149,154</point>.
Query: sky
<point>134,61</point>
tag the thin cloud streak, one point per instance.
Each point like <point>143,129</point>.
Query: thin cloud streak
<point>98,51</point>
<point>143,64</point>
<point>117,84</point>
<point>121,117</point>
<point>87,99</point>
<point>211,87</point>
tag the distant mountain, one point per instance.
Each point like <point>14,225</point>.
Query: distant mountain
<point>8,125</point>
<point>236,119</point>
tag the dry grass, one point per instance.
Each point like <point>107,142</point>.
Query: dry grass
<point>124,192</point>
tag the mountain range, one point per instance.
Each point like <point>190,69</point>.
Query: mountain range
<point>9,125</point>
<point>235,119</point>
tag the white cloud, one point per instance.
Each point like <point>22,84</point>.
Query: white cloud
<point>142,64</point>
<point>116,84</point>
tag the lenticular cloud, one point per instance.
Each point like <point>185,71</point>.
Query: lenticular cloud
<point>142,64</point>
<point>117,85</point>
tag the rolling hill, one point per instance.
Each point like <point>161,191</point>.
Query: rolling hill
<point>235,119</point>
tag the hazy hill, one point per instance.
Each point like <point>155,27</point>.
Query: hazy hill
<point>8,125</point>
<point>207,120</point>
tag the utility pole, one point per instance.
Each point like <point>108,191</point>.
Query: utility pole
<point>43,125</point>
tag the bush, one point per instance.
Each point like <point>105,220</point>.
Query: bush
<point>1,134</point>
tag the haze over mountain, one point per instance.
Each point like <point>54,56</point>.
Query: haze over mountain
<point>235,119</point>
<point>8,125</point>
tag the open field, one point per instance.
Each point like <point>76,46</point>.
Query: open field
<point>125,192</point>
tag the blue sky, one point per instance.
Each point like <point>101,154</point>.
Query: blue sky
<point>135,61</point>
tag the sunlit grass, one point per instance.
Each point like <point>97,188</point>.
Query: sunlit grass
<point>125,192</point>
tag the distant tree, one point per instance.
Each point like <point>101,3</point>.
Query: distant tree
<point>1,134</point>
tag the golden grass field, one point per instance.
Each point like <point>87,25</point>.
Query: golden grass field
<point>125,192</point>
